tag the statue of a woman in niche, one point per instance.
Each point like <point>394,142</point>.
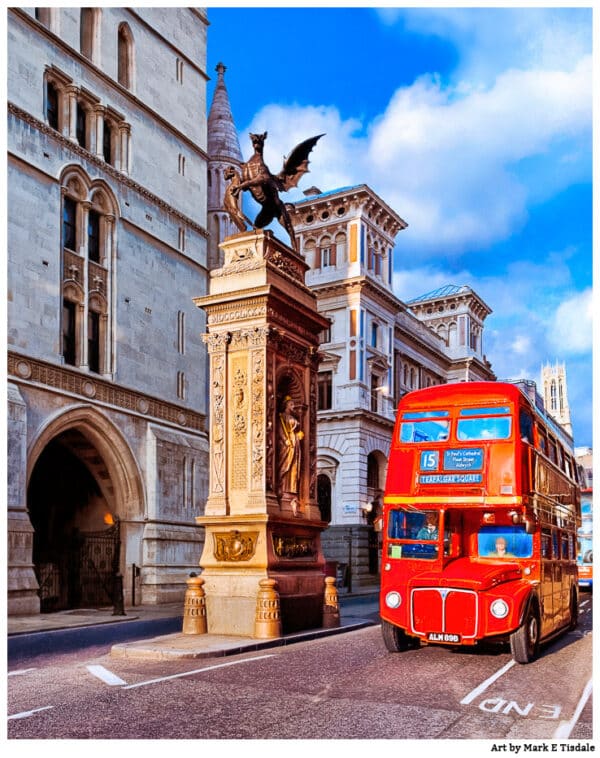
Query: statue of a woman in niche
<point>289,440</point>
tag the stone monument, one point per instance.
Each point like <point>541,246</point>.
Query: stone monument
<point>262,521</point>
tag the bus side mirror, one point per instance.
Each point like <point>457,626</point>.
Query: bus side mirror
<point>529,526</point>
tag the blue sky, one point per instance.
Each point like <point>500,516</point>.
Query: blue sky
<point>474,124</point>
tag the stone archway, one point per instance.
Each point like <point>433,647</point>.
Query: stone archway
<point>82,479</point>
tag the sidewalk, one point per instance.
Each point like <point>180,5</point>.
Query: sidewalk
<point>68,630</point>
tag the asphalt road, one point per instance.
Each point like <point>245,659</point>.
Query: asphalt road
<point>342,687</point>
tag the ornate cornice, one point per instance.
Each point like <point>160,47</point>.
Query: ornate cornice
<point>34,372</point>
<point>105,167</point>
<point>362,285</point>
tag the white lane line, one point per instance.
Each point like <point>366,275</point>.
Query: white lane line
<point>566,727</point>
<point>484,685</point>
<point>20,671</point>
<point>197,671</point>
<point>585,602</point>
<point>105,675</point>
<point>27,714</point>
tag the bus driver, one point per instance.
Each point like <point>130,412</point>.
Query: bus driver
<point>430,530</point>
<point>500,551</point>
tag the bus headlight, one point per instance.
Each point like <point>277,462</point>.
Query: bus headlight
<point>499,609</point>
<point>393,599</point>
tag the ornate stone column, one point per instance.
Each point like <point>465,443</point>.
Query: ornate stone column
<point>262,520</point>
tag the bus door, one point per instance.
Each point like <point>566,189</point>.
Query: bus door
<point>550,575</point>
<point>566,558</point>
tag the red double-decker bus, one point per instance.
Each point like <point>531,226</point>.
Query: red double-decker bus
<point>481,510</point>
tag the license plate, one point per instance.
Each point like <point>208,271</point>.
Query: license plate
<point>452,639</point>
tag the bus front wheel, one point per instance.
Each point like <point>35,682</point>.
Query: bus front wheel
<point>525,642</point>
<point>396,640</point>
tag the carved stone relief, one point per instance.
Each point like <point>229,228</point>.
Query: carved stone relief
<point>234,545</point>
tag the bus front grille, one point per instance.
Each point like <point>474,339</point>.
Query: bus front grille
<point>443,610</point>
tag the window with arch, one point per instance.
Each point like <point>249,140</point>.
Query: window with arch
<point>442,332</point>
<point>125,63</point>
<point>88,213</point>
<point>325,254</point>
<point>378,263</point>
<point>553,404</point>
<point>341,253</point>
<point>372,472</point>
<point>324,496</point>
<point>51,107</point>
<point>89,33</point>
<point>452,335</point>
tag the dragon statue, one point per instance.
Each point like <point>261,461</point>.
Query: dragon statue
<point>265,186</point>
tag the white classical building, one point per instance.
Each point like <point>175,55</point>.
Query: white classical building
<point>376,349</point>
<point>107,246</point>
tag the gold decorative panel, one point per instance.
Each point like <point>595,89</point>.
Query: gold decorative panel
<point>234,545</point>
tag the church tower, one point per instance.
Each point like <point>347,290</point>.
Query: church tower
<point>223,152</point>
<point>554,390</point>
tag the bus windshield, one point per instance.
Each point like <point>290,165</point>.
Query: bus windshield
<point>486,427</point>
<point>504,542</point>
<point>419,528</point>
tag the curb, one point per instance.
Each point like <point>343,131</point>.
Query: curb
<point>163,648</point>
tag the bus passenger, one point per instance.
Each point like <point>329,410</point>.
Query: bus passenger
<point>500,551</point>
<point>430,530</point>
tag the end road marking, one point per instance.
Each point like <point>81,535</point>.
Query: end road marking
<point>484,685</point>
<point>27,714</point>
<point>105,675</point>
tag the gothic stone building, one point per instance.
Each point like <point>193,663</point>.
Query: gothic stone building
<point>107,246</point>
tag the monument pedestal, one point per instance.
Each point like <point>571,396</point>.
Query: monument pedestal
<point>261,518</point>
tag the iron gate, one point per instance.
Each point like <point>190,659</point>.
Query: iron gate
<point>83,574</point>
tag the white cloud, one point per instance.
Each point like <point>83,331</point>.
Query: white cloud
<point>448,160</point>
<point>491,39</point>
<point>521,344</point>
<point>571,328</point>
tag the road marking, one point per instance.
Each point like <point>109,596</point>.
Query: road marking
<point>566,727</point>
<point>105,675</point>
<point>197,671</point>
<point>484,685</point>
<point>20,671</point>
<point>27,714</point>
<point>585,602</point>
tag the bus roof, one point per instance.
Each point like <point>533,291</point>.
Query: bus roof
<point>475,393</point>
<point>464,392</point>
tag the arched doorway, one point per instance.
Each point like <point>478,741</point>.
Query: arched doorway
<point>82,479</point>
<point>324,496</point>
<point>76,542</point>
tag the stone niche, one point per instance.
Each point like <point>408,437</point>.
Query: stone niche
<point>261,518</point>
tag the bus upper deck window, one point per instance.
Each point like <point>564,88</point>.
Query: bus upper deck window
<point>526,426</point>
<point>425,426</point>
<point>484,424</point>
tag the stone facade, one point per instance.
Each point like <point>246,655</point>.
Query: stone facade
<point>105,253</point>
<point>554,392</point>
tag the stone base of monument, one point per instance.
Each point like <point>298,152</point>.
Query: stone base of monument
<point>240,551</point>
